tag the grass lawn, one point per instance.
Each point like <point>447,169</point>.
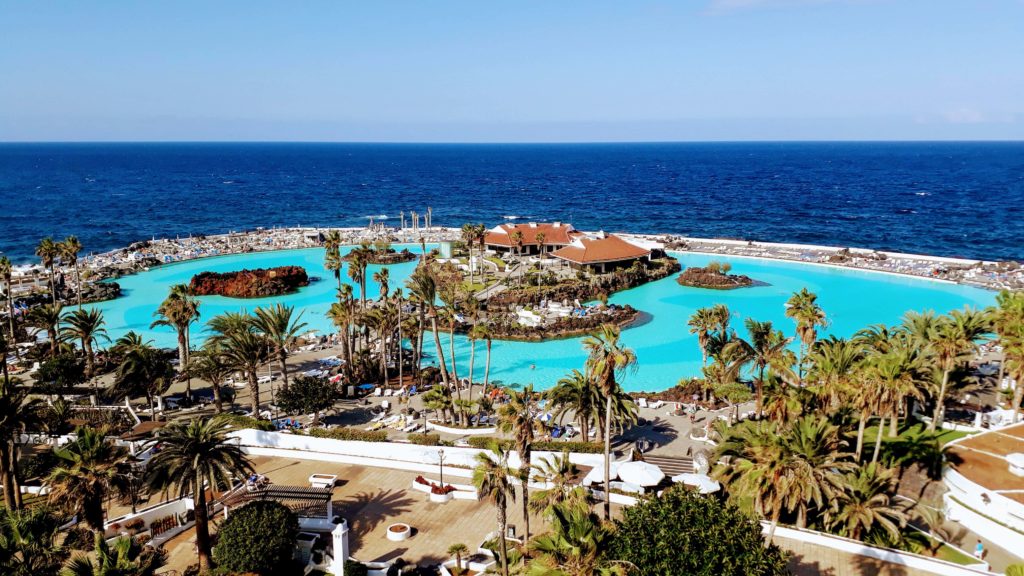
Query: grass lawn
<point>950,554</point>
<point>945,436</point>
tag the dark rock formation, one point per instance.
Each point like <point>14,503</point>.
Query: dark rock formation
<point>713,277</point>
<point>257,283</point>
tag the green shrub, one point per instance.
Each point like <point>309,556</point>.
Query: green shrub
<point>484,442</point>
<point>242,422</point>
<point>683,533</point>
<point>353,568</point>
<point>349,434</point>
<point>258,537</point>
<point>425,439</point>
<point>79,538</point>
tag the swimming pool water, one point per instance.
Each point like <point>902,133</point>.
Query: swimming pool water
<point>666,351</point>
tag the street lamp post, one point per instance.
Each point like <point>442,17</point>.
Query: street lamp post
<point>440,461</point>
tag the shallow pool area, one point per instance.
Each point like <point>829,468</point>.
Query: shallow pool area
<point>666,350</point>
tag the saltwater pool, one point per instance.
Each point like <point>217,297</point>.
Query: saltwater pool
<point>665,348</point>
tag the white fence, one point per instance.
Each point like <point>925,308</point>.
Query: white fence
<point>410,457</point>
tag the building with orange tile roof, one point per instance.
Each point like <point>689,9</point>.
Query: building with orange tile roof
<point>501,238</point>
<point>601,252</point>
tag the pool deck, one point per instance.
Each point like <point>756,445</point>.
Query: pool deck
<point>372,498</point>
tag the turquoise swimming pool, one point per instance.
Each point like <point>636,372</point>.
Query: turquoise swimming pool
<point>665,348</point>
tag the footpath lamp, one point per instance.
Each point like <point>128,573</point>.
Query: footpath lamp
<point>440,461</point>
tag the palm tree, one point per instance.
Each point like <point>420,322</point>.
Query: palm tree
<point>458,550</point>
<point>483,332</point>
<point>88,470</point>
<point>953,341</point>
<point>131,340</point>
<point>382,278</point>
<point>69,250</point>
<point>48,317</point>
<point>468,234</point>
<point>517,240</point>
<point>868,501</point>
<point>357,272</point>
<point>576,544</point>
<point>816,458</point>
<point>539,238</point>
<point>1008,324</point>
<point>246,351</point>
<point>125,557</point>
<point>16,413</point>
<point>6,271</point>
<point>767,349</point>
<point>491,478</point>
<point>196,455</point>
<point>516,418</point>
<point>28,542</point>
<point>834,362</point>
<point>48,252</point>
<point>86,326</point>
<point>576,394</point>
<point>332,254</point>
<point>342,315</point>
<point>143,371</point>
<point>179,310</point>
<point>278,326</point>
<point>559,474</point>
<point>423,287</point>
<point>450,293</point>
<point>210,364</point>
<point>702,323</point>
<point>803,308</point>
<point>758,468</point>
<point>606,359</point>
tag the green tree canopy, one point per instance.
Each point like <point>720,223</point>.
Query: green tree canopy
<point>258,537</point>
<point>307,395</point>
<point>682,533</point>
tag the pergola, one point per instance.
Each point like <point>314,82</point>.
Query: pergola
<point>305,501</point>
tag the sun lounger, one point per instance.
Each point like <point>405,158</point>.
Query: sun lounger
<point>641,402</point>
<point>378,392</point>
<point>656,404</point>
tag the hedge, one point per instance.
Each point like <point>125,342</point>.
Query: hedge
<point>551,446</point>
<point>425,439</point>
<point>244,422</point>
<point>349,434</point>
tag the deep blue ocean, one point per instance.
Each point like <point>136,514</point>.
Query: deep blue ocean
<point>951,199</point>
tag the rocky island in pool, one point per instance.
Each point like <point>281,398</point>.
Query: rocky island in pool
<point>258,283</point>
<point>714,276</point>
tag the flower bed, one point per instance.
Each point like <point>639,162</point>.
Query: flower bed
<point>256,283</point>
<point>439,493</point>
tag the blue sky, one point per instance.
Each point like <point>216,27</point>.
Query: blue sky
<point>586,70</point>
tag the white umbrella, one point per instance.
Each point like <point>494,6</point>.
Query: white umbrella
<point>703,482</point>
<point>641,473</point>
<point>596,474</point>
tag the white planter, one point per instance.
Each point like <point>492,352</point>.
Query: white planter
<point>441,498</point>
<point>399,532</point>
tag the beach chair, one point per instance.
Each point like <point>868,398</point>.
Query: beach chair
<point>656,404</point>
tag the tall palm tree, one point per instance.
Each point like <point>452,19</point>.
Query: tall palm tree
<point>451,296</point>
<point>278,326</point>
<point>194,456</point>
<point>48,317</point>
<point>246,351</point>
<point>125,557</point>
<point>1008,324</point>
<point>210,364</point>
<point>953,340</point>
<point>69,250</point>
<point>178,311</point>
<point>483,332</point>
<point>492,480</point>
<point>576,545</point>
<point>701,323</point>
<point>468,235</point>
<point>834,362</point>
<point>866,503</point>
<point>86,326</point>
<point>803,308</point>
<point>539,238</point>
<point>515,417</point>
<point>131,340</point>
<point>48,252</point>
<point>342,315</point>
<point>517,240</point>
<point>29,542</point>
<point>88,469</point>
<point>423,288</point>
<point>606,360</point>
<point>383,277</point>
<point>6,272</point>
<point>332,254</point>
<point>143,371</point>
<point>17,411</point>
<point>767,349</point>
<point>576,394</point>
<point>357,262</point>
